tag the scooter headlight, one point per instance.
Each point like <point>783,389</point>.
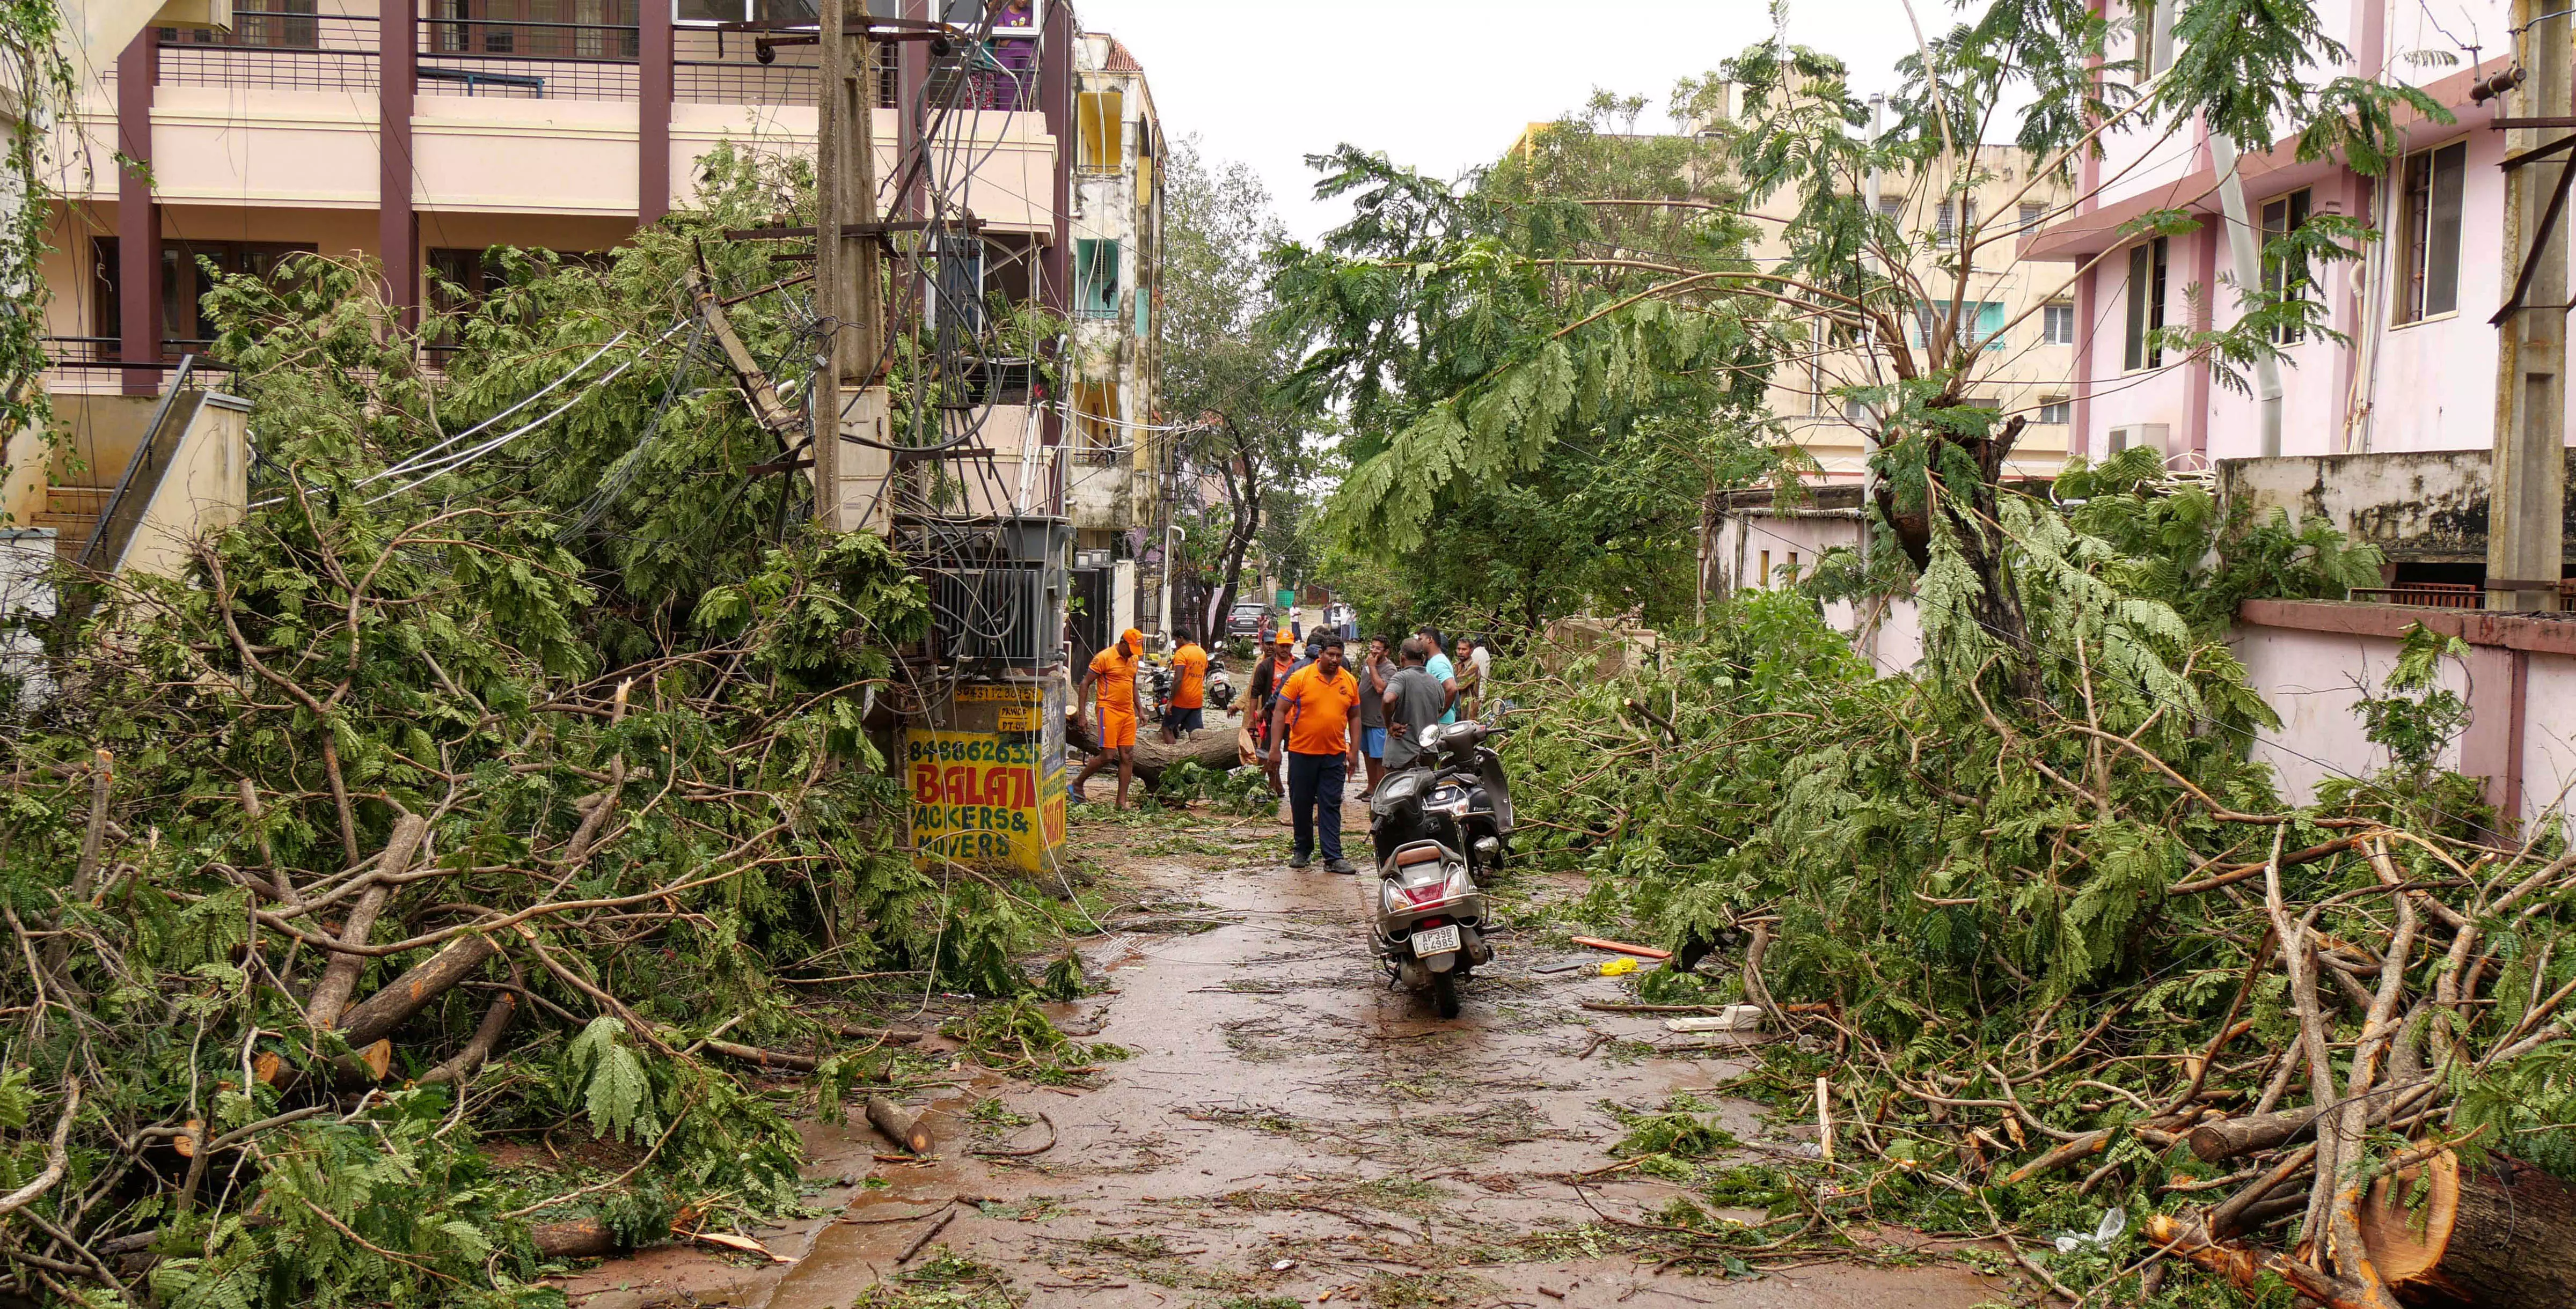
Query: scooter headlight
<point>1450,800</point>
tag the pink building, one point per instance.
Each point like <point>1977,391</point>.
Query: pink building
<point>2418,370</point>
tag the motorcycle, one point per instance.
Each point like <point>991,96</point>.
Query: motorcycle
<point>1220,686</point>
<point>1159,680</point>
<point>1434,828</point>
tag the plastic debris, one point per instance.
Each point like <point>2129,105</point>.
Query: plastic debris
<point>1620,967</point>
<point>2115,1220</point>
<point>1735,1018</point>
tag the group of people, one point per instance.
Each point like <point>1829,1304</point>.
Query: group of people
<point>1315,719</point>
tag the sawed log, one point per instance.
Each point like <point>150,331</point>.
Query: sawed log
<point>900,1126</point>
<point>2500,1233</point>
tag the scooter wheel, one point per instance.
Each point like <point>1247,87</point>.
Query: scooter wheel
<point>1444,993</point>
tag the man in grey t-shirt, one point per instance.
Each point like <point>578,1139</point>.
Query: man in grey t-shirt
<point>1414,701</point>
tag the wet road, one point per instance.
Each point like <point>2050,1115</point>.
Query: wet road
<point>1287,1130</point>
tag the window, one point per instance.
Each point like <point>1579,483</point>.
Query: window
<point>2285,279</point>
<point>183,282</point>
<point>958,309</point>
<point>2147,270</point>
<point>786,12</point>
<point>2032,214</point>
<point>2151,41</point>
<point>2057,323</point>
<point>1981,320</point>
<point>541,29</point>
<point>1793,568</point>
<point>1765,578</point>
<point>2428,250</point>
<point>1990,321</point>
<point>2055,410</point>
<point>1858,414</point>
<point>1955,215</point>
<point>1095,422</point>
<point>1891,207</point>
<point>1095,276</point>
<point>1103,123</point>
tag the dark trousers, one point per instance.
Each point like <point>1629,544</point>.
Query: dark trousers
<point>1315,782</point>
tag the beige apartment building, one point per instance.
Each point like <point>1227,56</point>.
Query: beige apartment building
<point>2024,311</point>
<point>421,133</point>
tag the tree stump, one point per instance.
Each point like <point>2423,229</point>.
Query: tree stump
<point>2502,1233</point>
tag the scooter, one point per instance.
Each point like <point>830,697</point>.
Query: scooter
<point>1220,686</point>
<point>1159,680</point>
<point>1433,828</point>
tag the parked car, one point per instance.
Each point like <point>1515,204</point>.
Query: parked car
<point>1247,622</point>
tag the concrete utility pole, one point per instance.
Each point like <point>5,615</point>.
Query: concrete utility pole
<point>846,274</point>
<point>2526,516</point>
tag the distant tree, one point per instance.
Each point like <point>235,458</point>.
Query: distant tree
<point>1223,365</point>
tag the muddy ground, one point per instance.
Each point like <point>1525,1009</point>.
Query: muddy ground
<point>1288,1131</point>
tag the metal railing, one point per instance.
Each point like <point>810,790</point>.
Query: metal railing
<point>278,51</point>
<point>460,55</point>
<point>133,495</point>
<point>2424,595</point>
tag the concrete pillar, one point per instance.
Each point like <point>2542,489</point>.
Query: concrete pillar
<point>653,96</point>
<point>397,226</point>
<point>2492,747</point>
<point>2526,531</point>
<point>138,218</point>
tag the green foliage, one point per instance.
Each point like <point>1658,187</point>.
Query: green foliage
<point>624,690</point>
<point>37,81</point>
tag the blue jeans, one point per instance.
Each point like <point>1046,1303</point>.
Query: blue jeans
<point>1315,783</point>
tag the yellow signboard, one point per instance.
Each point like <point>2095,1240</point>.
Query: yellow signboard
<point>984,798</point>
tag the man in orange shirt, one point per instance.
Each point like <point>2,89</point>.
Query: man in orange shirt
<point>1189,691</point>
<point>1317,720</point>
<point>1111,686</point>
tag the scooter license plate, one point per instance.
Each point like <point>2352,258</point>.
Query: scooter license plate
<point>1435,940</point>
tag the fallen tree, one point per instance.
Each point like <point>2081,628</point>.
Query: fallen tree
<point>2057,952</point>
<point>454,799</point>
<point>1214,748</point>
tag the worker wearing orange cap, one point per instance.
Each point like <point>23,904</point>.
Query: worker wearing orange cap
<point>1111,686</point>
<point>1268,678</point>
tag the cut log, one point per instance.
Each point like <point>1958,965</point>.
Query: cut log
<point>1209,747</point>
<point>2501,1233</point>
<point>579,1238</point>
<point>900,1125</point>
<point>2250,1268</point>
<point>378,1015</point>
<point>889,1035</point>
<point>2221,1139</point>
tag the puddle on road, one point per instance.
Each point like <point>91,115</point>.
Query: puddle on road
<point>1282,1106</point>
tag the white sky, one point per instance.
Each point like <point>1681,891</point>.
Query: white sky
<point>1444,85</point>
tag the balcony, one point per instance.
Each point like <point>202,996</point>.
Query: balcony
<point>486,49</point>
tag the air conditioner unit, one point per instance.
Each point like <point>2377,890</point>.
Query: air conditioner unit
<point>2152,435</point>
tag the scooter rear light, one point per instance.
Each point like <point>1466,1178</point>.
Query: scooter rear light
<point>1430,893</point>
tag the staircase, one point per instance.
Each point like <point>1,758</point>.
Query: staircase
<point>73,512</point>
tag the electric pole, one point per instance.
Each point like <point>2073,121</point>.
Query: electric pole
<point>846,278</point>
<point>2526,512</point>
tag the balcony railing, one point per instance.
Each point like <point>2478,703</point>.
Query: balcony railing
<point>274,50</point>
<point>2446,595</point>
<point>481,48</point>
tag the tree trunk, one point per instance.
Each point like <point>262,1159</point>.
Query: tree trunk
<point>2223,1139</point>
<point>340,978</point>
<point>379,1014</point>
<point>1209,747</point>
<point>899,1125</point>
<point>2501,1233</point>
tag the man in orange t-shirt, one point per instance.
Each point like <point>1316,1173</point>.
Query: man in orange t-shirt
<point>1189,691</point>
<point>1317,719</point>
<point>1111,686</point>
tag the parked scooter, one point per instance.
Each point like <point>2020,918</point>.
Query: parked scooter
<point>1220,686</point>
<point>1160,678</point>
<point>1435,828</point>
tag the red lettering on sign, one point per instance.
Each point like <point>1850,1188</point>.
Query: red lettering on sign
<point>925,783</point>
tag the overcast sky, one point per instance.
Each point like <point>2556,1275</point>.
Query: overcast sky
<point>1444,85</point>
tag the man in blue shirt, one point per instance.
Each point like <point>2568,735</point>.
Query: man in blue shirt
<point>1438,666</point>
